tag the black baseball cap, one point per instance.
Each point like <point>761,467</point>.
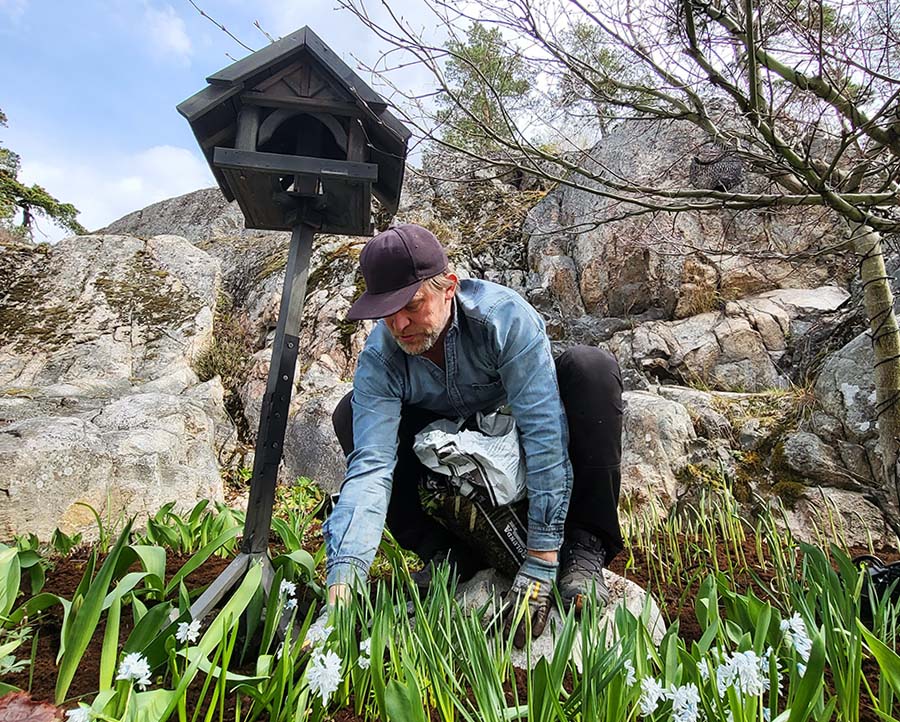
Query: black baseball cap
<point>394,264</point>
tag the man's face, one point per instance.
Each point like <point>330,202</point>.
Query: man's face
<point>417,326</point>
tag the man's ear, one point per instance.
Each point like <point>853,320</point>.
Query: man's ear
<point>451,292</point>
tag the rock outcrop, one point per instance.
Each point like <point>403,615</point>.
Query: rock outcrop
<point>591,254</point>
<point>136,360</point>
<point>99,403</point>
<point>737,349</point>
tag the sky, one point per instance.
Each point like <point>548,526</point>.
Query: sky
<point>90,87</point>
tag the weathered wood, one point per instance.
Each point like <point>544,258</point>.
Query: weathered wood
<point>279,163</point>
<point>356,142</point>
<point>201,103</point>
<point>260,61</point>
<point>274,412</point>
<point>308,105</point>
<point>247,128</point>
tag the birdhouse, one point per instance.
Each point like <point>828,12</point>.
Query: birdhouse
<point>295,136</point>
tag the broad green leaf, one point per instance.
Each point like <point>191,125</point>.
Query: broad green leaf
<point>110,648</point>
<point>79,631</point>
<point>10,577</point>
<point>888,660</point>
<point>810,686</point>
<point>150,706</point>
<point>125,585</point>
<point>37,604</point>
<point>302,558</point>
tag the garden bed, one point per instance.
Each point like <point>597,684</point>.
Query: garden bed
<point>443,665</point>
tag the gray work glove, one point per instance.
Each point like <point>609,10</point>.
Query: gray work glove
<point>533,582</point>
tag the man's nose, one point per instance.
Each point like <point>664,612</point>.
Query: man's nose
<point>399,321</point>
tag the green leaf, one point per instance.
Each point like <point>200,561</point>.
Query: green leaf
<point>201,556</point>
<point>79,631</point>
<point>151,626</point>
<point>10,577</point>
<point>216,631</point>
<point>110,648</point>
<point>810,686</point>
<point>887,658</point>
<point>149,706</point>
<point>404,703</point>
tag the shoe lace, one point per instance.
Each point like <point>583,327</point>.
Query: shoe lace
<point>584,556</point>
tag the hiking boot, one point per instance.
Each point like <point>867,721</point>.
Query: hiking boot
<point>461,564</point>
<point>581,570</point>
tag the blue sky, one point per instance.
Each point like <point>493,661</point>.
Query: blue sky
<point>90,88</point>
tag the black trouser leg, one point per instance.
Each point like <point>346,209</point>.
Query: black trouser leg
<point>590,385</point>
<point>407,521</point>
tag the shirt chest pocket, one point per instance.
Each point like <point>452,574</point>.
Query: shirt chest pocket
<point>485,395</point>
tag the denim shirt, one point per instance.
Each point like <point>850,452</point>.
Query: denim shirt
<point>496,352</point>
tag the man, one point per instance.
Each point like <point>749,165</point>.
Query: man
<point>450,348</point>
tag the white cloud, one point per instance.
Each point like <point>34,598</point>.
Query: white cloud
<point>107,188</point>
<point>14,9</point>
<point>167,33</point>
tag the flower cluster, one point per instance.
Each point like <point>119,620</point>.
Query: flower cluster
<point>324,674</point>
<point>288,590</point>
<point>746,672</point>
<point>79,714</point>
<point>188,632</point>
<point>135,668</point>
<point>319,631</point>
<point>630,677</point>
<point>685,700</point>
<point>796,635</point>
<point>365,652</point>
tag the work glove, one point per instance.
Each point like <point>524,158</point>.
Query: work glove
<point>534,583</point>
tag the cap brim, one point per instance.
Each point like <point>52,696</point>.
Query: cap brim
<point>379,305</point>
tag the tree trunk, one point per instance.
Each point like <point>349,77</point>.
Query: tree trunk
<point>879,304</point>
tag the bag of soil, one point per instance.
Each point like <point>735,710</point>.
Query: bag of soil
<point>497,532</point>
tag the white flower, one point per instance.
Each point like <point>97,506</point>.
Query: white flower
<point>290,604</point>
<point>134,667</point>
<point>685,703</point>
<point>801,669</point>
<point>365,649</point>
<point>630,677</point>
<point>796,634</point>
<point>188,631</point>
<point>651,693</point>
<point>288,589</point>
<point>79,714</point>
<point>324,674</point>
<point>318,631</point>
<point>745,671</point>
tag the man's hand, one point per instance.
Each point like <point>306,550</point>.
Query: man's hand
<point>533,582</point>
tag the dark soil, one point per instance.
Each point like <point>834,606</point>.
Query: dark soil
<point>676,598</point>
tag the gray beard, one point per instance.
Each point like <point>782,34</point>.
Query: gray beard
<point>426,344</point>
